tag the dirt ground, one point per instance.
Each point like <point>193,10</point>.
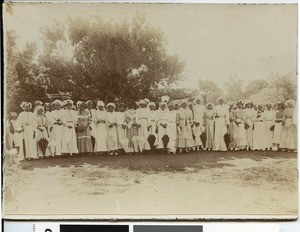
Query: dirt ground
<point>217,184</point>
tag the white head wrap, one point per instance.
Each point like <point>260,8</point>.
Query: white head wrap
<point>100,103</point>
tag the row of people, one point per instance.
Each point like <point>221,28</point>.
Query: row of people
<point>63,128</point>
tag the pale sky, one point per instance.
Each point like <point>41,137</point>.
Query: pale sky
<point>215,41</point>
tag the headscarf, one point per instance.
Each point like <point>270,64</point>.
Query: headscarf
<point>147,101</point>
<point>198,98</point>
<point>152,104</point>
<point>24,104</point>
<point>38,103</point>
<point>142,102</point>
<point>111,104</point>
<point>100,103</point>
<point>78,104</point>
<point>37,109</point>
<point>210,103</point>
<point>58,102</point>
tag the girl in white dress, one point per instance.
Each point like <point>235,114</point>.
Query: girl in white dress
<point>27,123</point>
<point>101,130</point>
<point>240,123</point>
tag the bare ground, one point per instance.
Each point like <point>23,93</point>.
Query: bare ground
<point>203,183</point>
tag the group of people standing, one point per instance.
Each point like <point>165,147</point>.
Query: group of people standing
<point>61,128</point>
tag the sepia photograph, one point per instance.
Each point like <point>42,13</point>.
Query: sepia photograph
<point>150,111</point>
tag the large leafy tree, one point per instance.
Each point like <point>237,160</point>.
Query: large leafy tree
<point>255,86</point>
<point>104,60</point>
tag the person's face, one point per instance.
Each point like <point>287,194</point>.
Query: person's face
<point>248,106</point>
<point>221,101</point>
<point>40,112</point>
<point>82,106</point>
<point>90,105</point>
<point>57,106</point>
<point>191,106</point>
<point>176,107</point>
<point>69,106</point>
<point>143,105</point>
<point>171,108</point>
<point>110,108</point>
<point>184,105</point>
<point>240,105</point>
<point>209,107</point>
<point>259,107</point>
<point>100,108</point>
<point>152,107</point>
<point>255,107</point>
<point>198,102</point>
<point>122,108</point>
<point>27,108</point>
<point>46,107</point>
<point>269,107</point>
<point>13,117</point>
<point>163,107</point>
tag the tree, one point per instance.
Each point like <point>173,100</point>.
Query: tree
<point>212,90</point>
<point>254,87</point>
<point>234,89</point>
<point>107,60</point>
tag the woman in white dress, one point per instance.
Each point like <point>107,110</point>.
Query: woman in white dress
<point>278,126</point>
<point>57,115</point>
<point>162,124</point>
<point>27,123</point>
<point>199,110</point>
<point>185,137</point>
<point>221,118</point>
<point>172,129</point>
<point>240,127</point>
<point>249,114</point>
<point>42,133</point>
<point>259,138</point>
<point>101,130</point>
<point>69,140</point>
<point>269,120</point>
<point>50,120</point>
<point>152,128</point>
<point>111,125</point>
<point>143,117</point>
<point>122,128</point>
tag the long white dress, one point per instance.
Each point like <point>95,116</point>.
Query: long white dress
<point>269,120</point>
<point>101,131</point>
<point>57,116</point>
<point>143,117</point>
<point>185,137</point>
<point>278,127</point>
<point>51,140</point>
<point>249,115</point>
<point>152,125</point>
<point>122,133</point>
<point>161,119</point>
<point>112,135</point>
<point>259,138</point>
<point>27,121</point>
<point>198,123</point>
<point>221,117</point>
<point>172,131</point>
<point>69,139</point>
<point>240,128</point>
